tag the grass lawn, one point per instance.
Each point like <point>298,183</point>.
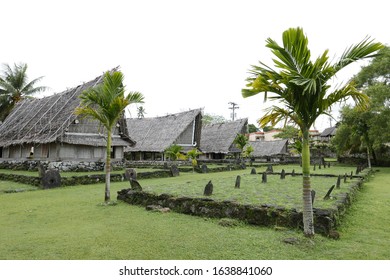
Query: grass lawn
<point>275,192</point>
<point>71,223</point>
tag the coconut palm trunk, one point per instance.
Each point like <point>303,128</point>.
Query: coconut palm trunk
<point>107,196</point>
<point>307,202</point>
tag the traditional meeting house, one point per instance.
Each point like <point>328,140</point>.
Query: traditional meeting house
<point>269,149</point>
<point>154,135</point>
<point>47,129</point>
<point>217,139</point>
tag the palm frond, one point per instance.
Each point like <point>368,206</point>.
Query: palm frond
<point>106,102</point>
<point>362,50</point>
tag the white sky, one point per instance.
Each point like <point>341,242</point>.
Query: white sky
<point>180,54</point>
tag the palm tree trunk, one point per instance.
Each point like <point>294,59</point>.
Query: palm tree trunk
<point>368,157</point>
<point>108,168</point>
<point>308,222</point>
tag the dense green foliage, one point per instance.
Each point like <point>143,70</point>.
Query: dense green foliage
<point>174,152</point>
<point>368,130</point>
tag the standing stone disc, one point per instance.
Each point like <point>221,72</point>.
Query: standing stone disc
<point>174,171</point>
<point>131,173</point>
<point>51,179</point>
<point>208,190</point>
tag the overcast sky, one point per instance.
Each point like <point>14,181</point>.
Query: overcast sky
<point>180,54</point>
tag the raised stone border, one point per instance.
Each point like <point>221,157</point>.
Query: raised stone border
<point>81,180</point>
<point>325,220</point>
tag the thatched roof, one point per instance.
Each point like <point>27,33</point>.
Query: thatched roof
<point>52,119</point>
<point>330,131</point>
<point>268,148</point>
<point>218,138</point>
<point>157,134</point>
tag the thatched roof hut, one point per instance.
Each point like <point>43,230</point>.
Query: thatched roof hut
<point>154,135</point>
<point>217,139</point>
<point>328,133</point>
<point>34,123</point>
<point>269,148</point>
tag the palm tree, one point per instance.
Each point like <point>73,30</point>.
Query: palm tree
<point>302,86</point>
<point>14,86</point>
<point>174,152</point>
<point>192,155</point>
<point>106,103</point>
<point>241,141</point>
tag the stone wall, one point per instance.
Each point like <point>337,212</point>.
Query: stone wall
<point>82,180</point>
<point>325,220</point>
<point>76,166</point>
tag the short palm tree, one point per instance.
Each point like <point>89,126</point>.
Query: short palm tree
<point>173,152</point>
<point>14,86</point>
<point>106,104</point>
<point>192,155</point>
<point>303,87</point>
<point>241,141</point>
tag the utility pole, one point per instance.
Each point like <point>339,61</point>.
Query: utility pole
<point>234,107</point>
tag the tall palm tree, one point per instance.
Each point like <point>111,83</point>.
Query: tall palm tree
<point>303,87</point>
<point>14,86</point>
<point>106,103</point>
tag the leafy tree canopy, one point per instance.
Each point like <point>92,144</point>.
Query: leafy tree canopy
<point>212,119</point>
<point>252,128</point>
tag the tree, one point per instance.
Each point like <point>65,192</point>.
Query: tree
<point>268,128</point>
<point>192,155</point>
<point>212,119</point>
<point>302,87</point>
<point>14,86</point>
<point>353,134</point>
<point>368,130</point>
<point>241,141</point>
<point>247,152</point>
<point>252,128</point>
<point>288,132</point>
<point>174,152</point>
<point>106,103</point>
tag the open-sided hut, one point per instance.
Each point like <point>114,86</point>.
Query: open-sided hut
<point>268,149</point>
<point>47,129</point>
<point>154,135</point>
<point>217,139</point>
<point>328,133</point>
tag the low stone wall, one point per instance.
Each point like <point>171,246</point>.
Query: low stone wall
<point>29,180</point>
<point>325,220</point>
<point>76,166</point>
<point>82,180</point>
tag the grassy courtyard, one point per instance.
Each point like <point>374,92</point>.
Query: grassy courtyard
<point>71,223</point>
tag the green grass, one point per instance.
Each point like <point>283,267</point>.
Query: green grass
<point>6,186</point>
<point>71,223</point>
<point>275,192</point>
